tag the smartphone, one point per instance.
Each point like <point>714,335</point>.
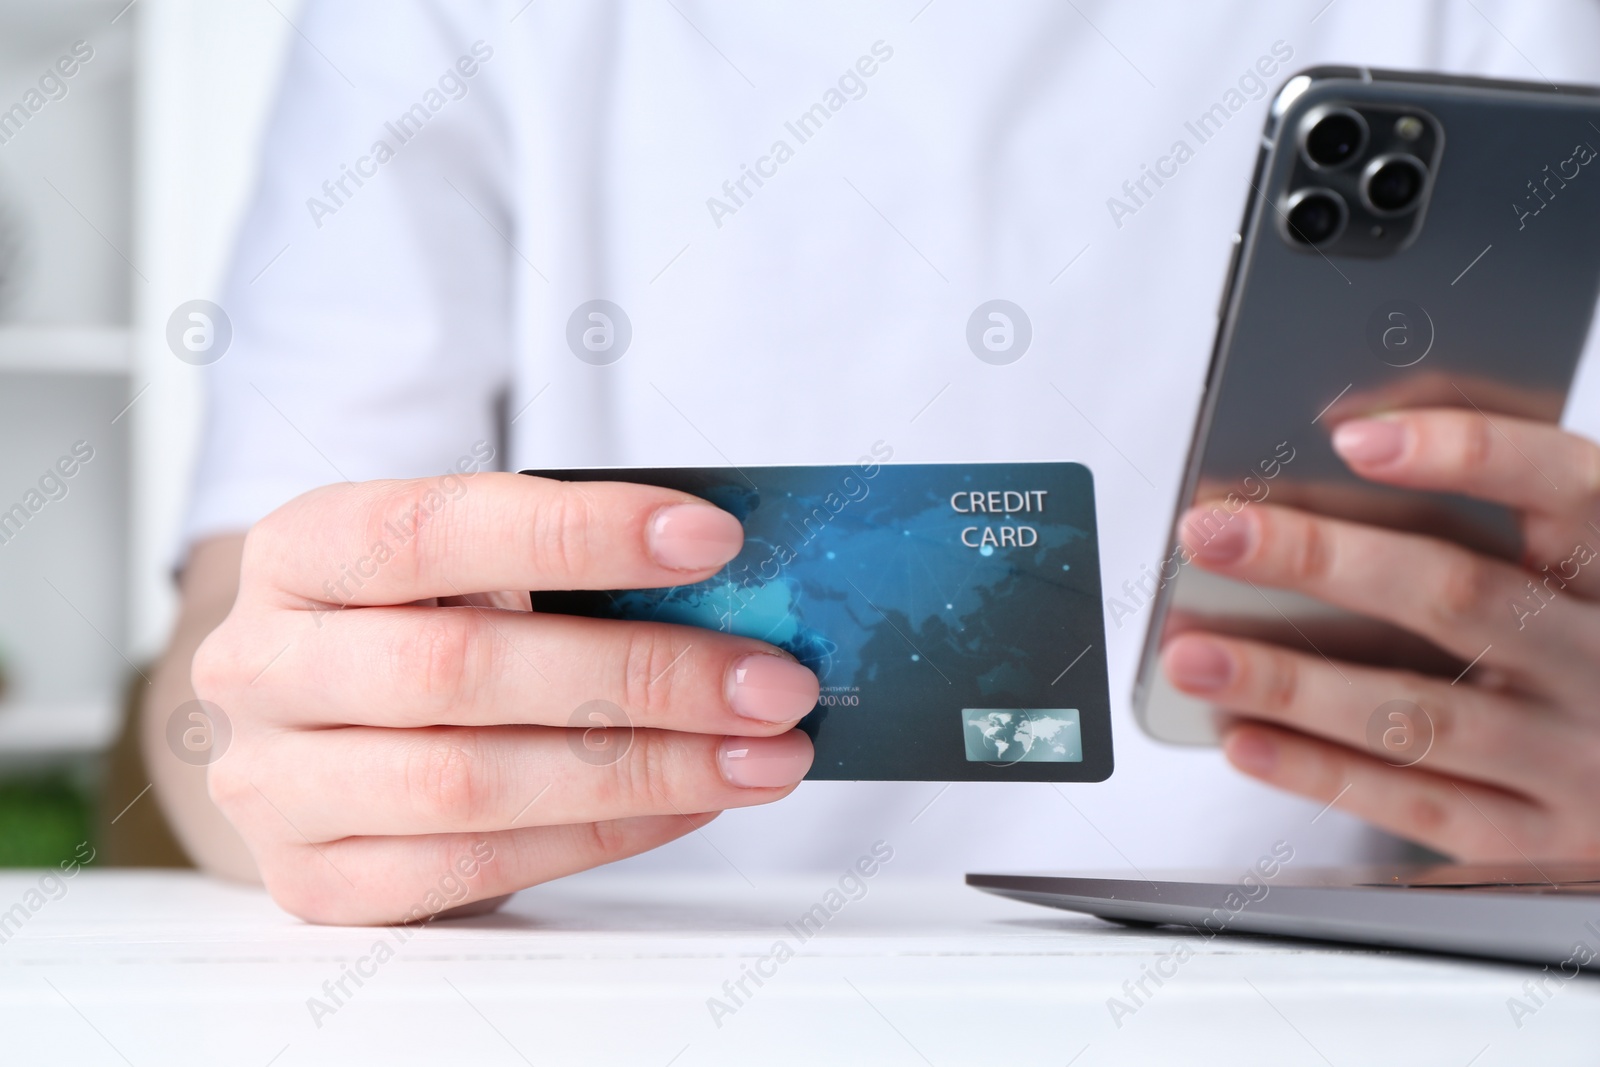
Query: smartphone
<point>1408,240</point>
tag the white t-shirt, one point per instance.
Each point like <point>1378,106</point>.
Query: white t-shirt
<point>911,160</point>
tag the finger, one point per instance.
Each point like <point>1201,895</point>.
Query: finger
<point>400,541</point>
<point>1549,472</point>
<point>468,666</point>
<point>1534,466</point>
<point>1460,731</point>
<point>366,782</point>
<point>1560,551</point>
<point>376,880</point>
<point>1470,822</point>
<point>1463,602</point>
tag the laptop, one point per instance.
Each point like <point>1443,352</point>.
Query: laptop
<point>1547,914</point>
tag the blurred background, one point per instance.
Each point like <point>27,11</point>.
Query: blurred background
<point>120,187</point>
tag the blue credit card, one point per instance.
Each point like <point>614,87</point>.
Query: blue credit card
<point>952,611</point>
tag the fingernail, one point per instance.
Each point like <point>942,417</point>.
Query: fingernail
<point>692,537</point>
<point>1197,664</point>
<point>1251,751</point>
<point>1370,442</point>
<point>765,762</point>
<point>1219,540</point>
<point>771,688</point>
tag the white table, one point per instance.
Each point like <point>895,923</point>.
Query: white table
<point>166,968</point>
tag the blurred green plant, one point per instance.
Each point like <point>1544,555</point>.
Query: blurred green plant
<point>42,819</point>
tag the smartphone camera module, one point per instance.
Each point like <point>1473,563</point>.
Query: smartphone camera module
<point>1393,184</point>
<point>1333,138</point>
<point>1358,178</point>
<point>1315,216</point>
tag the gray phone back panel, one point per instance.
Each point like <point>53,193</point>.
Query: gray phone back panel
<point>1497,287</point>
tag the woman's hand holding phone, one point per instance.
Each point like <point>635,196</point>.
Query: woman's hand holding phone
<point>1513,769</point>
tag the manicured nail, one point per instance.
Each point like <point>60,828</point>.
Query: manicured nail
<point>771,688</point>
<point>692,537</point>
<point>1216,536</point>
<point>1197,664</point>
<point>1370,442</point>
<point>765,762</point>
<point>1252,751</point>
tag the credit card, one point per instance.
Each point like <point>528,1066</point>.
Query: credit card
<point>951,611</point>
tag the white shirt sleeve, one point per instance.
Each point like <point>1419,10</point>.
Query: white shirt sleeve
<point>369,289</point>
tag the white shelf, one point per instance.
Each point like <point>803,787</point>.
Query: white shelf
<point>42,729</point>
<point>65,349</point>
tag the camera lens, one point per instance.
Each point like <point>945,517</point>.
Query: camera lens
<point>1335,139</point>
<point>1315,216</point>
<point>1393,184</point>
